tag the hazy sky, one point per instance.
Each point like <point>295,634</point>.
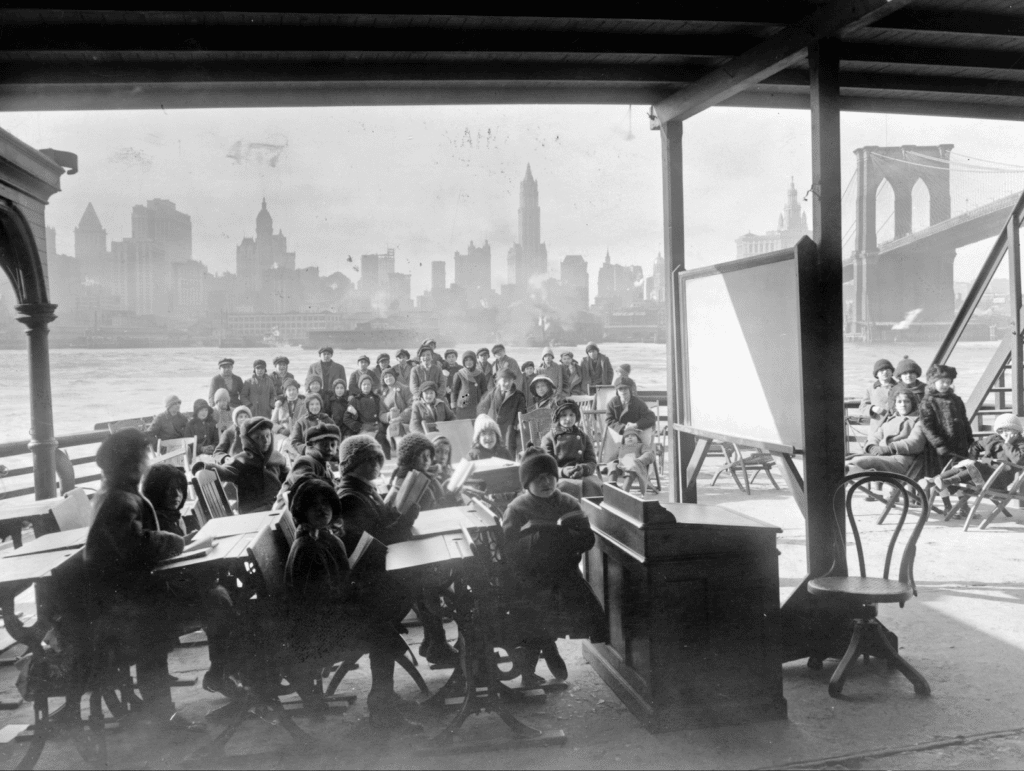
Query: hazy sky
<point>427,180</point>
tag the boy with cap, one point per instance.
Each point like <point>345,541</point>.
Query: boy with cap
<point>169,424</point>
<point>546,534</point>
<point>572,378</point>
<point>429,410</point>
<point>626,410</point>
<point>875,404</point>
<point>504,361</point>
<point>468,387</point>
<point>552,371</point>
<point>504,404</point>
<point>326,369</point>
<point>383,363</point>
<point>426,371</point>
<point>259,391</point>
<point>449,369</point>
<point>322,442</point>
<point>529,373</point>
<point>402,368</point>
<point>483,357</point>
<point>227,380</point>
<point>363,368</point>
<point>596,369</point>
<point>944,417</point>
<point>257,471</point>
<point>281,375</point>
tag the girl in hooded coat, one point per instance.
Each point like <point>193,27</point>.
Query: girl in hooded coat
<point>543,393</point>
<point>314,416</point>
<point>231,439</point>
<point>203,426</point>
<point>166,487</point>
<point>573,452</point>
<point>468,387</point>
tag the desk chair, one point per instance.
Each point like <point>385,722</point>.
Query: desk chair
<point>862,594</point>
<point>167,446</point>
<point>533,426</point>
<point>212,500</point>
<point>74,511</point>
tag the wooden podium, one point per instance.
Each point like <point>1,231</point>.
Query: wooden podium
<point>691,594</point>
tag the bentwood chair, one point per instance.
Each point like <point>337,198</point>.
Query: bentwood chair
<point>861,595</point>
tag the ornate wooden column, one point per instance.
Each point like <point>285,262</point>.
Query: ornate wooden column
<point>37,317</point>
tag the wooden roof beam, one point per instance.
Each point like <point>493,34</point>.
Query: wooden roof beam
<point>959,22</point>
<point>771,56</point>
<point>937,56</point>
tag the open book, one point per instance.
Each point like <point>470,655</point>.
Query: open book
<point>460,474</point>
<point>368,551</point>
<point>412,489</point>
<point>198,547</point>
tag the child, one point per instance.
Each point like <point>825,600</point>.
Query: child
<point>985,457</point>
<point>468,386</point>
<point>169,424</point>
<point>203,427</point>
<point>280,376</point>
<point>289,409</point>
<point>944,417</point>
<point>322,443</point>
<point>257,471</point>
<point>222,410</point>
<point>573,452</point>
<point>428,411</point>
<point>166,488</point>
<point>403,368</point>
<point>907,372</point>
<point>621,371</point>
<point>395,406</point>
<point>314,385</point>
<point>363,414</point>
<point>633,460</point>
<point>314,415</point>
<point>427,371</point>
<point>572,378</point>
<point>898,441</point>
<point>625,410</point>
<point>325,614</point>
<point>231,439</point>
<point>450,368</point>
<point>546,534</point>
<point>363,370</point>
<point>504,405</point>
<point>542,391</point>
<point>259,392</point>
<point>596,369</point>
<point>875,404</point>
<point>337,405</point>
<point>442,468</point>
<point>529,373</point>
<point>363,510</point>
<point>487,440</point>
<point>553,372</point>
<point>483,361</point>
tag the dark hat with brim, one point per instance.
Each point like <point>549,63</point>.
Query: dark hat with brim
<point>326,349</point>
<point>564,407</point>
<point>483,352</point>
<point>429,385</point>
<point>259,363</point>
<point>402,352</point>
<point>880,365</point>
<point>383,357</point>
<point>281,360</point>
<point>497,347</point>
<point>226,363</point>
<point>289,383</point>
<point>364,357</point>
<point>252,425</point>
<point>322,431</point>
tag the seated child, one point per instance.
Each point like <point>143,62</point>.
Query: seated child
<point>166,488</point>
<point>985,457</point>
<point>314,416</point>
<point>546,534</point>
<point>231,438</point>
<point>573,452</point>
<point>327,617</point>
<point>222,410</point>
<point>289,409</point>
<point>898,441</point>
<point>543,393</point>
<point>428,410</point>
<point>203,426</point>
<point>633,460</point>
<point>322,443</point>
<point>169,424</point>
<point>944,417</point>
<point>442,468</point>
<point>257,471</point>
<point>337,406</point>
<point>363,414</point>
<point>487,440</point>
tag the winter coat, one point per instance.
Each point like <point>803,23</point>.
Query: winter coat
<point>167,426</point>
<point>546,562</point>
<point>280,380</point>
<point>223,419</point>
<point>425,417</point>
<point>434,497</point>
<point>636,411</point>
<point>945,423</point>
<point>257,475</point>
<point>572,379</point>
<point>468,387</point>
<point>327,373</point>
<point>875,404</point>
<point>205,431</point>
<point>308,466</point>
<point>363,411</point>
<point>507,362</point>
<point>396,409</point>
<point>363,510</point>
<point>570,447</point>
<point>421,375</point>
<point>505,409</point>
<point>355,377</point>
<point>402,372</point>
<point>478,452</point>
<point>556,374</point>
<point>286,413</point>
<point>316,573</point>
<point>596,373</point>
<point>258,394</point>
<point>233,385</point>
<point>336,407</point>
<point>487,370</point>
<point>230,444</point>
<point>899,435</point>
<point>298,438</point>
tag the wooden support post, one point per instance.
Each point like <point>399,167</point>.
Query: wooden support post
<point>1017,350</point>
<point>824,426</point>
<point>681,488</point>
<point>37,317</point>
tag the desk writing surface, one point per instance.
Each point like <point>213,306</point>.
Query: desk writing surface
<point>28,510</point>
<point>62,541</point>
<point>31,567</point>
<point>717,516</point>
<point>240,524</point>
<point>434,550</point>
<point>225,549</point>
<point>447,520</point>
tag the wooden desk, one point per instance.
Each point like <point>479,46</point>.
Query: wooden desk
<point>691,594</point>
<point>30,510</point>
<point>65,540</point>
<point>226,552</point>
<point>17,575</point>
<point>438,551</point>
<point>449,520</point>
<point>240,524</point>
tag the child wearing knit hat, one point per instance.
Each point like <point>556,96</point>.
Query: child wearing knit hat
<point>546,534</point>
<point>908,373</point>
<point>985,458</point>
<point>874,405</point>
<point>169,424</point>
<point>487,440</point>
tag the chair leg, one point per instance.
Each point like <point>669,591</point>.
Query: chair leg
<point>921,687</point>
<point>1000,507</point>
<point>971,513</point>
<point>835,685</point>
<point>407,664</point>
<point>888,507</point>
<point>775,484</point>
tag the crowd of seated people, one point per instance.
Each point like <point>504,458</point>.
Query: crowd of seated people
<point>316,450</point>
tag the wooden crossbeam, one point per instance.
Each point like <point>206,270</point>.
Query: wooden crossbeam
<point>773,55</point>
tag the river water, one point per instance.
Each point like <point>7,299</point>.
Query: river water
<point>95,385</point>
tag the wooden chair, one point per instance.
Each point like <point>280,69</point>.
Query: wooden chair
<point>610,451</point>
<point>862,594</point>
<point>74,511</point>
<point>1000,498</point>
<point>169,447</point>
<point>737,463</point>
<point>533,425</point>
<point>212,500</point>
<point>660,434</point>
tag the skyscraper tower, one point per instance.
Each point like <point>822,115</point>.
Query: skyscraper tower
<point>528,257</point>
<point>90,243</point>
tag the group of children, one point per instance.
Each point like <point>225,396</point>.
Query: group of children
<point>922,430</point>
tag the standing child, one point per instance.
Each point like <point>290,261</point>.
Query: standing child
<point>596,369</point>
<point>572,378</point>
<point>337,406</point>
<point>944,417</point>
<point>875,405</point>
<point>289,409</point>
<point>483,357</point>
<point>281,375</point>
<point>203,426</point>
<point>403,368</point>
<point>363,370</point>
<point>427,371</point>
<point>395,406</point>
<point>259,392</point>
<point>553,372</point>
<point>468,387</point>
<point>429,410</point>
<point>222,410</point>
<point>529,373</point>
<point>231,438</point>
<point>449,369</point>
<point>363,414</point>
<point>907,372</point>
<point>504,404</point>
<point>487,440</point>
<point>546,534</point>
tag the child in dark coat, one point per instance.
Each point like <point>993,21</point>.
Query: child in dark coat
<point>203,426</point>
<point>487,440</point>
<point>315,415</point>
<point>363,414</point>
<point>337,406</point>
<point>504,404</point>
<point>944,417</point>
<point>166,488</point>
<point>573,452</point>
<point>257,471</point>
<point>985,457</point>
<point>908,373</point>
<point>169,424</point>
<point>546,534</point>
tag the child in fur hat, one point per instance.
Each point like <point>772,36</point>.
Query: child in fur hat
<point>573,452</point>
<point>985,457</point>
<point>944,417</point>
<point>546,534</point>
<point>487,440</point>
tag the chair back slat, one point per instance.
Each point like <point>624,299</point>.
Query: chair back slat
<point>286,524</point>
<point>603,395</point>
<point>533,425</point>
<point>210,494</point>
<point>74,511</point>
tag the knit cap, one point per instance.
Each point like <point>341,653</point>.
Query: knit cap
<point>536,462</point>
<point>172,399</point>
<point>338,381</point>
<point>411,445</point>
<point>316,378</point>
<point>592,347</point>
<point>529,364</point>
<point>485,423</point>
<point>1008,420</point>
<point>628,382</point>
<point>219,393</point>
<point>357,450</point>
<point>907,365</point>
<point>547,352</point>
<point>939,371</point>
<point>364,378</point>
<point>290,382</point>
<point>469,355</point>
<point>240,409</point>
<point>880,365</point>
<point>450,352</point>
<point>200,404</point>
<point>428,385</point>
<point>624,370</point>
<point>259,363</point>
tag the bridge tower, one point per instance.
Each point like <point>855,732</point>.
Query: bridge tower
<point>886,287</point>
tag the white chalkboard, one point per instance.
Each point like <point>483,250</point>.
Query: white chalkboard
<point>743,364</point>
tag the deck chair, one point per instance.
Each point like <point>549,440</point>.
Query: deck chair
<point>74,511</point>
<point>212,500</point>
<point>659,435</point>
<point>168,446</point>
<point>1001,498</point>
<point>610,451</point>
<point>533,425</point>
<point>737,463</point>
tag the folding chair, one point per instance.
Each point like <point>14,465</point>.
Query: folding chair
<point>533,425</point>
<point>735,462</point>
<point>170,446</point>
<point>212,500</point>
<point>659,435</point>
<point>611,442</point>
<point>74,511</point>
<point>999,497</point>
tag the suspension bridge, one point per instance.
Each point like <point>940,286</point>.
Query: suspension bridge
<point>909,209</point>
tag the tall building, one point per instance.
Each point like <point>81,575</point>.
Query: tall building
<point>792,227</point>
<point>369,274</point>
<point>90,244</point>
<point>654,287</point>
<point>385,266</point>
<point>268,251</point>
<point>575,282</point>
<point>528,257</point>
<point>437,276</point>
<point>473,269</point>
<point>619,285</point>
<point>188,289</point>
<point>142,277</point>
<point>161,222</point>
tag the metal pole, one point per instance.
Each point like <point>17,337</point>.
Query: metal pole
<point>1017,351</point>
<point>37,317</point>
